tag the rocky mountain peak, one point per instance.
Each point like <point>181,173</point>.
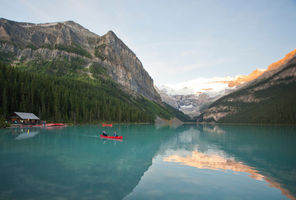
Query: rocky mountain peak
<point>70,22</point>
<point>269,98</point>
<point>111,34</point>
<point>246,78</point>
<point>282,61</point>
<point>263,72</point>
<point>29,43</point>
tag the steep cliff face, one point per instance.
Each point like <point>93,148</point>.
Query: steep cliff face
<point>47,47</point>
<point>124,66</point>
<point>270,98</point>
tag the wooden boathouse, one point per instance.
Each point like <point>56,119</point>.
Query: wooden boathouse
<point>24,118</point>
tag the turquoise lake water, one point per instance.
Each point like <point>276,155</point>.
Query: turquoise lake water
<point>151,162</point>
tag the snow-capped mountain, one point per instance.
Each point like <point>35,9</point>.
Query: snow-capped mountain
<point>210,86</point>
<point>192,97</point>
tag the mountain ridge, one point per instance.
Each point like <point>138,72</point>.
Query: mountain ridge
<point>270,98</point>
<point>111,82</point>
<point>198,94</point>
<point>24,43</point>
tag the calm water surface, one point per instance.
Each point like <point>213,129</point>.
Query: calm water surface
<point>186,162</point>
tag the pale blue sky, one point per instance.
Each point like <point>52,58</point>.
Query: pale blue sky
<point>180,40</point>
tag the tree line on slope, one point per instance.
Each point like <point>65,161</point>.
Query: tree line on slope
<point>67,100</point>
<point>278,107</point>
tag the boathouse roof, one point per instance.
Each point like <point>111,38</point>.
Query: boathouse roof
<point>23,115</point>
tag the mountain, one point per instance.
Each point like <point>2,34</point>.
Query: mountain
<point>270,98</point>
<point>68,49</point>
<point>192,97</point>
<point>191,104</point>
<point>246,78</point>
<point>63,72</point>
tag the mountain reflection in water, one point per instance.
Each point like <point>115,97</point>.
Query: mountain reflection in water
<point>217,162</point>
<point>213,162</point>
<point>186,162</point>
<point>243,160</point>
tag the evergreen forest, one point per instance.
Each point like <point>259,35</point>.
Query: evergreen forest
<point>64,99</point>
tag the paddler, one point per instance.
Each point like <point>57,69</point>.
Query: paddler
<point>104,133</point>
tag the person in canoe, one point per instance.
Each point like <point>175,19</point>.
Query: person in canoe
<point>104,133</point>
<point>115,134</point>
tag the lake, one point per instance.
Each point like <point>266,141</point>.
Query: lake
<point>151,162</point>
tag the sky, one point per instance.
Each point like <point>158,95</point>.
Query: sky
<point>179,40</point>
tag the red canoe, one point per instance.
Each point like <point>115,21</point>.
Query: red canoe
<point>108,125</point>
<point>112,137</point>
<point>56,124</point>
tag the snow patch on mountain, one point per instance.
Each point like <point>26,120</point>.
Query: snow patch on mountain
<point>192,97</point>
<point>211,86</point>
